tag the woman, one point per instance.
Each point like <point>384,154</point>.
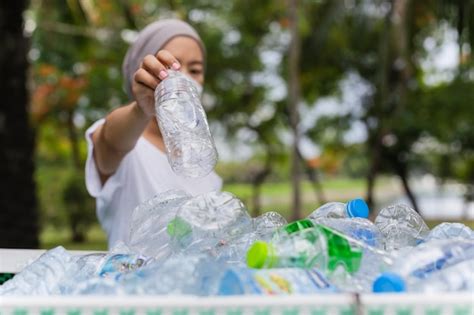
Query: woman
<point>126,163</point>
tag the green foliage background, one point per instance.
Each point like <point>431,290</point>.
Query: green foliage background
<point>77,49</point>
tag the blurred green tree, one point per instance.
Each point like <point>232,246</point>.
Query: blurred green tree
<point>78,48</point>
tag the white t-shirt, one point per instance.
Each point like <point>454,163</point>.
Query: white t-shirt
<point>143,173</point>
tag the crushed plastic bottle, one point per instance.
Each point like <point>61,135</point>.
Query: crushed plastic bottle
<point>81,268</point>
<point>423,261</point>
<point>41,277</point>
<point>302,249</point>
<point>459,277</point>
<point>401,226</point>
<point>279,281</point>
<point>98,286</point>
<point>207,221</point>
<point>264,226</point>
<point>205,243</point>
<point>318,246</point>
<point>447,230</point>
<point>361,262</point>
<point>355,208</point>
<point>115,265</point>
<point>181,274</point>
<point>267,223</point>
<point>150,219</point>
<point>183,125</point>
<point>357,228</point>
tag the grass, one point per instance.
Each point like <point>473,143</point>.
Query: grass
<point>284,188</point>
<point>96,239</point>
<point>277,196</point>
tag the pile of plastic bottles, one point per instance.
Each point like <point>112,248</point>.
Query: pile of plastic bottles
<point>209,245</point>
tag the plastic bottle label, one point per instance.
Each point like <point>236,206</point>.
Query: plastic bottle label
<point>121,263</point>
<point>275,282</point>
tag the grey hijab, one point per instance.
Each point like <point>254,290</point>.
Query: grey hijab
<point>149,41</point>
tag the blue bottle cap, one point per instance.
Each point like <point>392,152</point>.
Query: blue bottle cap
<point>389,282</point>
<point>357,208</point>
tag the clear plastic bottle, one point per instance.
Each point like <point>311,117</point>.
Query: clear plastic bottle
<point>148,234</point>
<point>278,281</point>
<point>97,286</point>
<point>113,265</point>
<point>357,228</point>
<point>423,261</point>
<point>181,274</point>
<point>183,125</point>
<point>401,226</point>
<point>41,277</point>
<point>318,246</point>
<point>264,226</point>
<point>337,210</point>
<point>360,262</point>
<point>82,269</point>
<point>448,230</point>
<point>208,221</point>
<point>267,223</point>
<point>459,277</point>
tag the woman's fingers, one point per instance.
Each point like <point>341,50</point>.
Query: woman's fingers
<point>146,78</point>
<point>158,65</point>
<point>166,58</point>
<point>154,68</point>
<point>152,65</point>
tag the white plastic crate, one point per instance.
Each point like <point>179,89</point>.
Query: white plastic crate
<point>335,304</point>
<point>417,304</point>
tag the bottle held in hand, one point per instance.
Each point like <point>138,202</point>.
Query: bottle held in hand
<point>183,124</point>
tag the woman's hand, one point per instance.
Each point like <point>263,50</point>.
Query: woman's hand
<point>153,69</point>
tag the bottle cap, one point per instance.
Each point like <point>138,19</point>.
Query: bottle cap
<point>389,282</point>
<point>357,208</point>
<point>178,228</point>
<point>258,254</point>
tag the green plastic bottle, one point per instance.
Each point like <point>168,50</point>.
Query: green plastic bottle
<point>305,244</point>
<point>302,249</point>
<point>298,226</point>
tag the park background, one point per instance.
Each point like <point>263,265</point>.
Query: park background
<point>309,101</point>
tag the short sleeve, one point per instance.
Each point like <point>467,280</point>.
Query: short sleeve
<point>93,182</point>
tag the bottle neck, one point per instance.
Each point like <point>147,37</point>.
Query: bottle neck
<point>272,257</point>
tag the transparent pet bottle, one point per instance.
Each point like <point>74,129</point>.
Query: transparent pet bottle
<point>182,121</point>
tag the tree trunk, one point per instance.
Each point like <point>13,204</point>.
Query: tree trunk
<point>468,199</point>
<point>71,129</point>
<point>409,192</point>
<point>374,141</point>
<point>395,71</point>
<point>127,12</point>
<point>77,205</point>
<point>401,170</point>
<point>405,73</point>
<point>293,100</point>
<point>313,177</point>
<point>371,177</point>
<point>18,203</point>
<point>256,200</point>
<point>257,182</point>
